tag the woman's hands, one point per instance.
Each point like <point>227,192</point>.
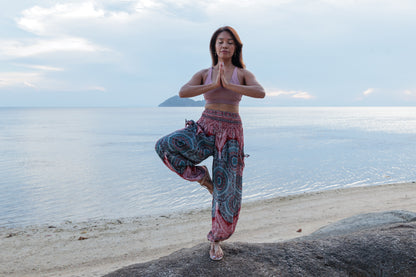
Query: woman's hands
<point>221,81</point>
<point>220,72</point>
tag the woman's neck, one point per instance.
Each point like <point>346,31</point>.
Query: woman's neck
<point>227,63</point>
<point>227,66</point>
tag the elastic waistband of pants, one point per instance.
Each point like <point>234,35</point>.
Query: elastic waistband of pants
<point>222,115</point>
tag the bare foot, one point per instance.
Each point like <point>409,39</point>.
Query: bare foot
<point>215,253</point>
<point>206,181</point>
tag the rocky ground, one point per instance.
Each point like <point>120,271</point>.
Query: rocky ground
<point>375,244</point>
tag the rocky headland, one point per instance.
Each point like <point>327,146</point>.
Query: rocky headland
<point>176,101</point>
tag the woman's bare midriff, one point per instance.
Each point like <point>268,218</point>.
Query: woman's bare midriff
<point>222,107</point>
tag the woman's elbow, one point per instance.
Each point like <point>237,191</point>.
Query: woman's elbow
<point>261,93</point>
<point>182,93</point>
<point>257,94</point>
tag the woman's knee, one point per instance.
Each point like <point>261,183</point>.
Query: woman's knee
<point>160,147</point>
<point>173,143</point>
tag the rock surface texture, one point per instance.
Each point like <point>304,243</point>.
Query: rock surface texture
<point>378,244</point>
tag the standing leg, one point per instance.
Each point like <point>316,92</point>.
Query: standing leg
<point>227,178</point>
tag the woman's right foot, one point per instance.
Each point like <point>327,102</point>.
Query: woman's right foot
<point>216,253</point>
<point>206,181</point>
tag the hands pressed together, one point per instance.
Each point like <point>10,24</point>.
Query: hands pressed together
<point>221,81</point>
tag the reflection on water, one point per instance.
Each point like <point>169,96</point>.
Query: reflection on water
<point>79,164</point>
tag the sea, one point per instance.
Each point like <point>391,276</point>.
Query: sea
<point>77,164</point>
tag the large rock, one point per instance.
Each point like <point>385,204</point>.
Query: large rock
<point>385,249</point>
<point>362,222</point>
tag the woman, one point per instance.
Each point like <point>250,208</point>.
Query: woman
<point>217,133</point>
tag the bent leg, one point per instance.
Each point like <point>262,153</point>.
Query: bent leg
<point>182,150</point>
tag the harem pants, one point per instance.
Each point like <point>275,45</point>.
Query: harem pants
<point>218,134</point>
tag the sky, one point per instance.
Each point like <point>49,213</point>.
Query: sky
<point>138,53</point>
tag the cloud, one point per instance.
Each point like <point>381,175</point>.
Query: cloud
<point>99,88</point>
<point>368,91</point>
<point>41,67</point>
<point>292,94</point>
<point>387,6</point>
<point>87,18</point>
<point>28,84</point>
<point>20,79</point>
<point>46,21</point>
<point>68,27</point>
<point>387,96</point>
<point>27,48</point>
<point>39,80</point>
<point>410,94</point>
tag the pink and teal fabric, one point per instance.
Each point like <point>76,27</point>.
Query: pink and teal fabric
<point>218,134</point>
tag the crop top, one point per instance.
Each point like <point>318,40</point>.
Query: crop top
<point>222,95</point>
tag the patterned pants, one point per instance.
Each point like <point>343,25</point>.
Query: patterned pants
<point>218,134</point>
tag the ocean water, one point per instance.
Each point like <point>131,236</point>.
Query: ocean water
<point>60,165</point>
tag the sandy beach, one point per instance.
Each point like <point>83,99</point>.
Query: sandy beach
<point>95,248</point>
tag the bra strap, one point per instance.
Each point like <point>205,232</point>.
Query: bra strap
<point>235,76</point>
<point>210,74</point>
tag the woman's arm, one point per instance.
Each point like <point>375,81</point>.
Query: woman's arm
<point>196,87</point>
<point>251,87</point>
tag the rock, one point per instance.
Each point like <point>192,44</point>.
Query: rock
<point>385,249</point>
<point>362,222</point>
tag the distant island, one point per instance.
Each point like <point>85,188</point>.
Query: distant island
<point>176,101</point>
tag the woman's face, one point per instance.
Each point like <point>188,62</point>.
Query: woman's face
<point>225,45</point>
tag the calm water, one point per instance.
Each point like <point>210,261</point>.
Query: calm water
<point>79,164</point>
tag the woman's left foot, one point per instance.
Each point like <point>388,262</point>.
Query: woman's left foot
<point>206,181</point>
<point>215,253</point>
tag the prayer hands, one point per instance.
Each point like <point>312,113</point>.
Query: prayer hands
<point>221,81</point>
<point>224,81</point>
<point>218,79</point>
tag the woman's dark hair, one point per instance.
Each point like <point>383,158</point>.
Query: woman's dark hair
<point>237,58</point>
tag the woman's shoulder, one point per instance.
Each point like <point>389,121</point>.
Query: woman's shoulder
<point>205,70</point>
<point>244,74</point>
<point>202,74</point>
<point>243,71</point>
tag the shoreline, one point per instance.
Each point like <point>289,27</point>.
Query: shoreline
<point>97,247</point>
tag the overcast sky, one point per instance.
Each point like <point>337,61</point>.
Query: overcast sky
<point>140,52</point>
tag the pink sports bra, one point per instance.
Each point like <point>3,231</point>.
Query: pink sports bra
<point>222,95</point>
